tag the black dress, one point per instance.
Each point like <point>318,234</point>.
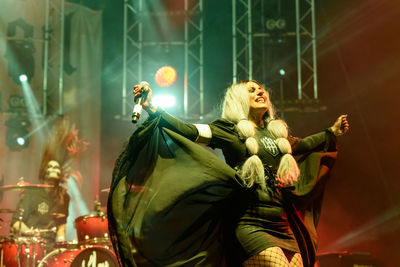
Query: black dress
<point>193,211</point>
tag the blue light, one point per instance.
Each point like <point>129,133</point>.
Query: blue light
<point>23,78</point>
<point>20,141</point>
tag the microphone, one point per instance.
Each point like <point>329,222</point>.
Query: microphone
<point>137,108</point>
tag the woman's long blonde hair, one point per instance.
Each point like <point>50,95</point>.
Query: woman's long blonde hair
<point>236,108</point>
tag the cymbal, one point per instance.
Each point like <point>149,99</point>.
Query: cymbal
<point>24,186</point>
<point>6,211</point>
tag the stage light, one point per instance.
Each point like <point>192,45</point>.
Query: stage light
<point>23,78</point>
<point>270,24</point>
<point>164,101</point>
<point>21,61</point>
<point>282,72</point>
<point>278,24</point>
<point>17,135</point>
<point>20,141</point>
<point>165,76</point>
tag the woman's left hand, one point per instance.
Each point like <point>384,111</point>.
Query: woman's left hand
<point>341,126</point>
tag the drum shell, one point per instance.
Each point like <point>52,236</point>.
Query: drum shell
<point>69,245</point>
<point>94,256</point>
<point>9,251</point>
<point>92,229</point>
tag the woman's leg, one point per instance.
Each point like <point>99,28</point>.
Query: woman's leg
<point>270,257</point>
<point>294,259</point>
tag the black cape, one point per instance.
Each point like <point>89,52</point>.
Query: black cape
<point>169,200</point>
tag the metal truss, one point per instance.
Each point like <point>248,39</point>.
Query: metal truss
<point>248,22</point>
<point>135,40</point>
<point>242,53</point>
<point>53,56</point>
<point>193,53</point>
<point>306,49</point>
<point>132,53</point>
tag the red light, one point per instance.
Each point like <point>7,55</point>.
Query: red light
<point>165,76</point>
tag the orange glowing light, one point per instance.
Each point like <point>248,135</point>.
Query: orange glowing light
<point>165,76</point>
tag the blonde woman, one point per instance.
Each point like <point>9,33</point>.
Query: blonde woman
<point>262,206</point>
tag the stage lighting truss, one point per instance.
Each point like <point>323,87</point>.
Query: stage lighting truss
<point>17,135</point>
<point>191,43</point>
<point>256,29</point>
<point>53,57</point>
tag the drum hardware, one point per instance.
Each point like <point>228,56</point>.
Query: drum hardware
<point>68,244</point>
<point>21,251</point>
<point>22,185</point>
<point>38,231</point>
<point>29,250</point>
<point>6,211</point>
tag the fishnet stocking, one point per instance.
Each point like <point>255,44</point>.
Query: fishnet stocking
<point>274,257</point>
<point>295,260</point>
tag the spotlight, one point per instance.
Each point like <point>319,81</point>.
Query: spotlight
<point>164,101</point>
<point>20,141</point>
<point>23,78</point>
<point>17,135</point>
<point>275,24</point>
<point>280,24</point>
<point>165,76</point>
<point>20,55</point>
<point>282,72</point>
<point>270,24</point>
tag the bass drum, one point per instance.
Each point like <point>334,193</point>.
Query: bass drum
<point>94,256</point>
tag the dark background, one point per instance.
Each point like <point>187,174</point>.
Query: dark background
<point>358,74</point>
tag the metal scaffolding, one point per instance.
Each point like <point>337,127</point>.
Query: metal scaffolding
<point>242,53</point>
<point>132,47</point>
<point>249,21</point>
<point>193,53</point>
<point>53,57</point>
<point>191,44</point>
<point>306,49</point>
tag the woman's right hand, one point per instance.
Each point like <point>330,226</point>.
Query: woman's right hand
<point>138,91</point>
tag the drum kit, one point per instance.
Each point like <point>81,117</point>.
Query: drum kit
<point>30,249</point>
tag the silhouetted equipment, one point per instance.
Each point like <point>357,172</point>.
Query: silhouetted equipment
<point>347,259</point>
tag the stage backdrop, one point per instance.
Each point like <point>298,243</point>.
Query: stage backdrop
<point>22,24</point>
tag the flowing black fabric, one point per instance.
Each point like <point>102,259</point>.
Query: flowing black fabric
<point>176,219</point>
<point>170,199</point>
<point>303,204</point>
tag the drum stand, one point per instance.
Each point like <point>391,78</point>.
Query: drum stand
<point>21,212</point>
<point>19,246</point>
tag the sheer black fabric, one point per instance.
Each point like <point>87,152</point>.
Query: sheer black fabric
<point>173,203</point>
